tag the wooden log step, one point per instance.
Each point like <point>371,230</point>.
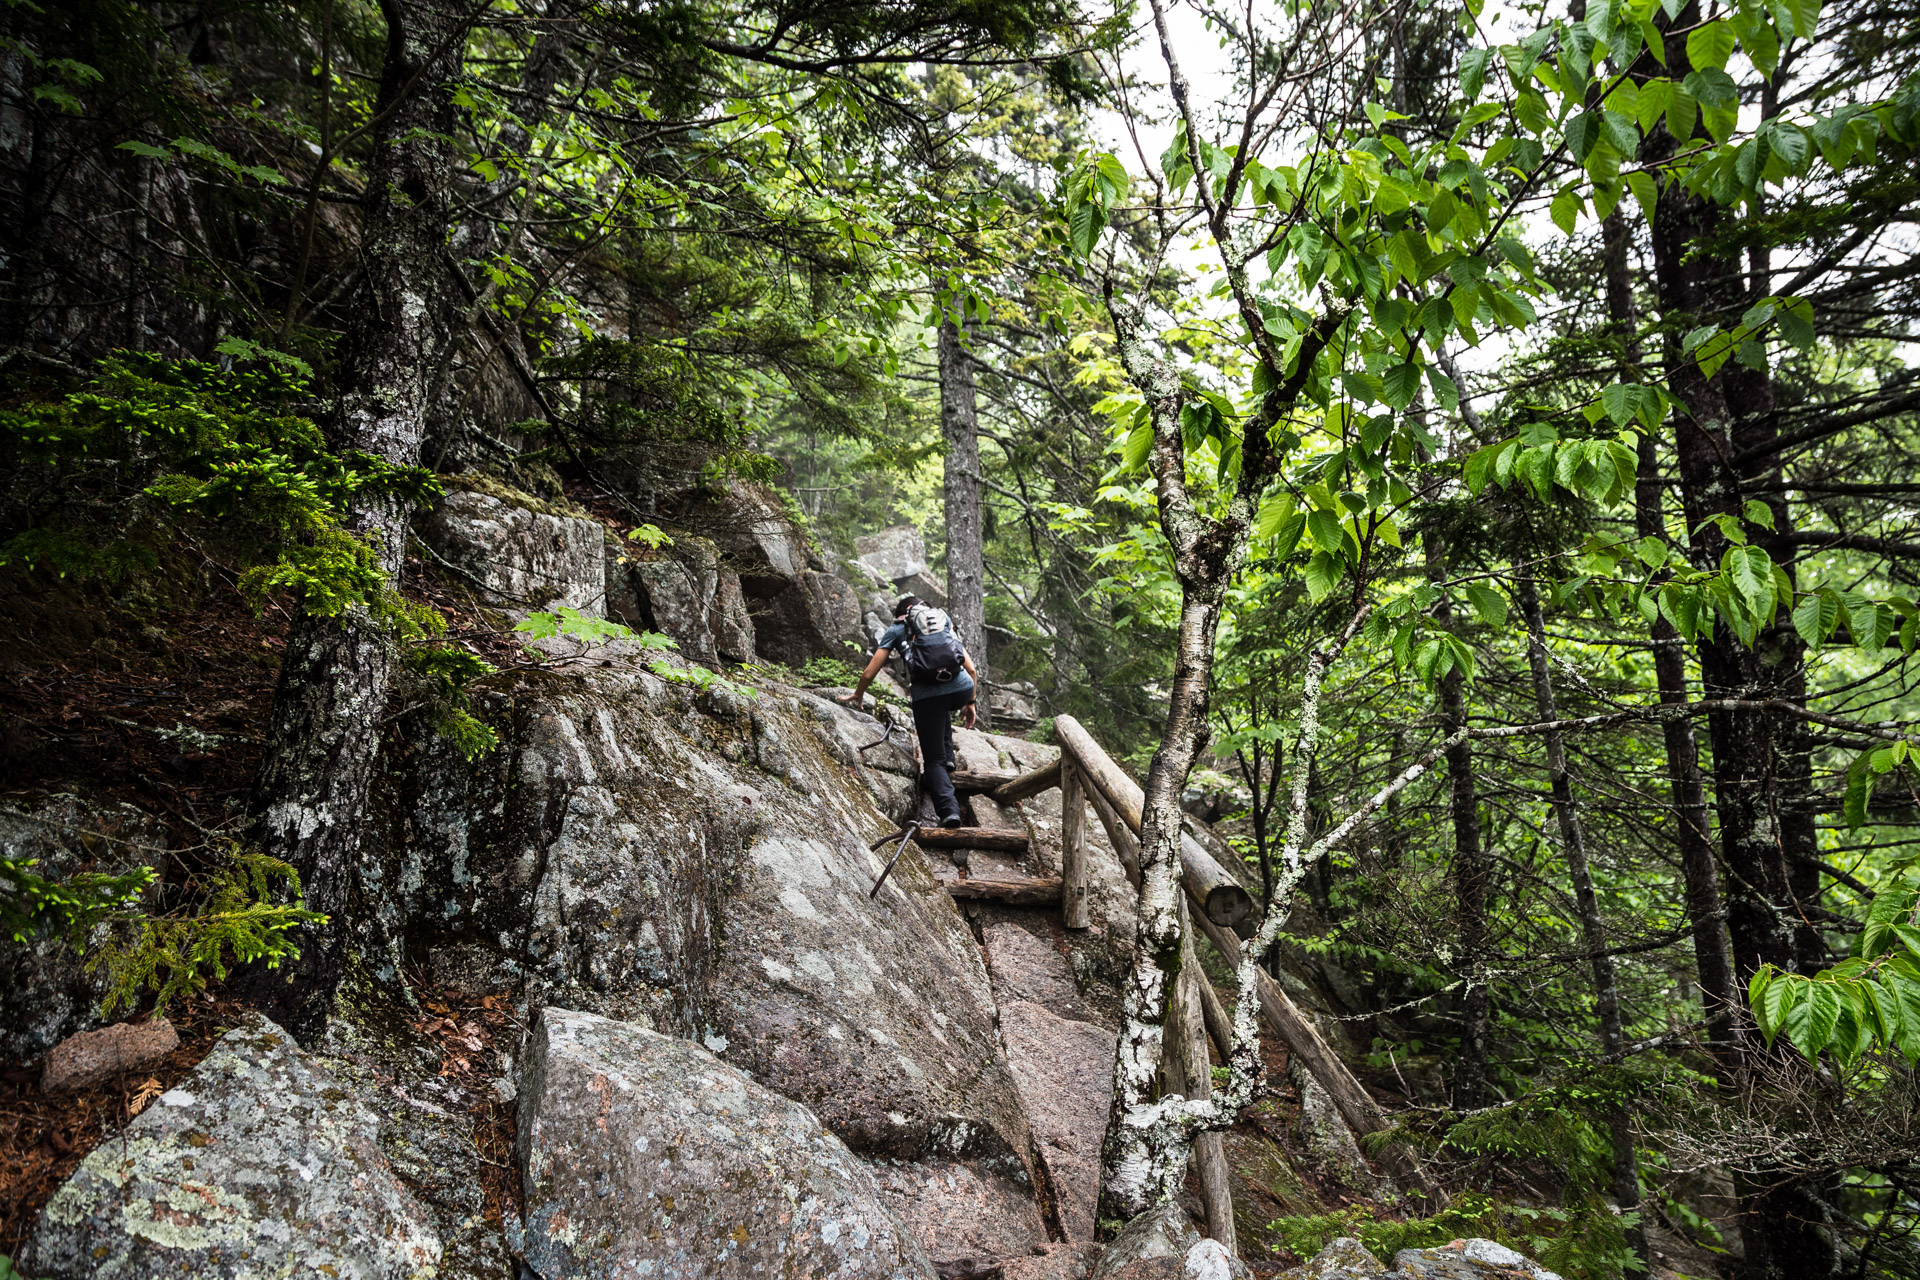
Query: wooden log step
<point>973,838</point>
<point>1012,891</point>
<point>973,782</point>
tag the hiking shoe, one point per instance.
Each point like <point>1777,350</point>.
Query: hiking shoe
<point>952,821</point>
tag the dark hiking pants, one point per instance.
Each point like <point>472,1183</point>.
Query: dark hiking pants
<point>933,725</point>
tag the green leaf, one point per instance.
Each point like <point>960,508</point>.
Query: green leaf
<point>1323,573</point>
<point>1473,72</point>
<point>1815,617</point>
<point>1853,806</point>
<point>1139,443</point>
<point>1710,45</point>
<point>1488,603</point>
<point>1565,210</point>
<point>1618,401</point>
<point>1287,536</point>
<point>1401,381</point>
<point>1811,1027</point>
<point>1651,103</point>
<point>1583,134</point>
<point>1327,534</point>
<point>1682,112</point>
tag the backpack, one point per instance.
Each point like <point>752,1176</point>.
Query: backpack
<point>934,653</point>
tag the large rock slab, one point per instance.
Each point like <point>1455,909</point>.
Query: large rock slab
<point>643,1154</point>
<point>1065,1073</point>
<point>517,557</point>
<point>698,862</point>
<point>259,1164</point>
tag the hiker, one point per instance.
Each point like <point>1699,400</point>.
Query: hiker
<point>942,677</point>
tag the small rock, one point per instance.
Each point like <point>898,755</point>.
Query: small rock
<point>92,1056</point>
<point>258,1164</point>
<point>1161,1244</point>
<point>1474,1259</point>
<point>1342,1259</point>
<point>645,1154</point>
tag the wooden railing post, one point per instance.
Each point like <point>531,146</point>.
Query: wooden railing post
<point>1209,1149</point>
<point>1073,846</point>
<point>1221,897</point>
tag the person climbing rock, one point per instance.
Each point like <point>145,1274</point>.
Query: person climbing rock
<point>942,682</point>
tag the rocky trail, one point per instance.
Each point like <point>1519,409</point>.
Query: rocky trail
<point>622,1002</point>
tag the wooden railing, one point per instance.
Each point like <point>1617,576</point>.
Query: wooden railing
<point>1216,901</point>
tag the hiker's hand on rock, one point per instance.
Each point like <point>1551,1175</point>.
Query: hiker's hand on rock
<point>849,697</point>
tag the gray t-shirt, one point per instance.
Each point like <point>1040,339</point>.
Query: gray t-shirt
<point>893,640</point>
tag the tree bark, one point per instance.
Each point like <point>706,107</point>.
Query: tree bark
<point>1780,1223</point>
<point>324,732</point>
<point>1573,844</point>
<point>1699,871</point>
<point>1141,1168</point>
<point>966,555</point>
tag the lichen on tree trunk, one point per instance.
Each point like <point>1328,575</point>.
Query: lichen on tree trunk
<point>324,731</point>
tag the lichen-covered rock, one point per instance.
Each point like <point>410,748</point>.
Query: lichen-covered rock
<point>893,553</point>
<point>1472,1259</point>
<point>1328,1142</point>
<point>90,1056</point>
<point>699,863</point>
<point>259,1164</point>
<point>46,993</point>
<point>685,594</point>
<point>644,1154</point>
<point>1342,1259</point>
<point>1014,706</point>
<point>517,557</point>
<point>729,620</point>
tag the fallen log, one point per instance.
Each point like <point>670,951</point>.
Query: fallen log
<point>996,841</point>
<point>1021,891</point>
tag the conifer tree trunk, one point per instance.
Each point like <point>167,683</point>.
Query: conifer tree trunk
<point>1699,871</point>
<point>324,732</point>
<point>1780,1222</point>
<point>1713,961</point>
<point>1573,844</point>
<point>966,555</point>
<point>1472,872</point>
